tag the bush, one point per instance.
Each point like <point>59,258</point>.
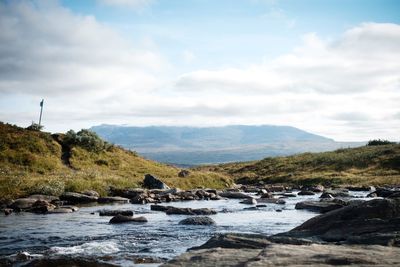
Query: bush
<point>379,142</point>
<point>86,139</point>
<point>35,127</point>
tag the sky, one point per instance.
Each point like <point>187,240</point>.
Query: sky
<point>329,67</point>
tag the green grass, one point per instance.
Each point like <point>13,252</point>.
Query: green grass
<point>30,162</point>
<point>368,165</point>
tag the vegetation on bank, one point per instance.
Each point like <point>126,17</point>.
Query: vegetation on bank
<point>32,161</point>
<point>377,163</point>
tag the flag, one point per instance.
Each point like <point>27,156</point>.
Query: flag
<point>41,103</point>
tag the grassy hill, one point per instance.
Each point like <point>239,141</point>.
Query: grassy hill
<point>376,165</point>
<point>39,162</point>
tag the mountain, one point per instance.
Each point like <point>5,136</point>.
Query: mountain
<point>196,145</point>
<point>366,165</point>
<point>35,162</point>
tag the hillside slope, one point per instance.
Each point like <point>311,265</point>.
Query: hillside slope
<point>38,162</point>
<point>208,145</point>
<point>376,165</point>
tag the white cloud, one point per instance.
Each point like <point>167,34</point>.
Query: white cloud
<point>127,3</point>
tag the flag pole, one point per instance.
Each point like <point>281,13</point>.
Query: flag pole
<point>41,111</point>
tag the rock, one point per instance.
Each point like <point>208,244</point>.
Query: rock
<point>41,206</point>
<point>306,193</point>
<point>236,241</point>
<point>267,195</point>
<point>124,219</point>
<point>359,188</point>
<point>249,201</point>
<point>275,188</point>
<point>341,192</point>
<point>23,203</point>
<point>289,195</point>
<point>139,199</point>
<point>318,206</point>
<point>112,200</point>
<point>384,192</point>
<point>44,197</point>
<point>289,255</point>
<point>198,220</point>
<point>115,212</point>
<point>77,198</point>
<point>317,188</point>
<point>153,182</point>
<point>371,222</point>
<point>229,194</point>
<point>23,256</point>
<point>183,173</point>
<point>189,211</point>
<point>60,210</point>
<point>159,208</point>
<point>326,196</point>
<point>73,208</point>
<point>7,211</point>
<point>91,193</point>
<point>271,200</point>
<point>67,261</point>
<point>127,193</point>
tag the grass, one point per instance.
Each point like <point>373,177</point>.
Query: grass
<point>368,165</point>
<point>31,162</point>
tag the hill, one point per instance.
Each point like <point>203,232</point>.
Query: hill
<point>367,165</point>
<point>209,145</point>
<point>39,162</point>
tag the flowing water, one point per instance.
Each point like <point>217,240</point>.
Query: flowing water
<point>88,235</point>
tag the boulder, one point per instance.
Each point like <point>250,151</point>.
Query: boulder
<point>271,200</point>
<point>319,206</point>
<point>198,220</point>
<point>124,219</point>
<point>60,210</point>
<point>41,206</point>
<point>305,193</point>
<point>115,212</point>
<point>112,200</point>
<point>91,193</point>
<point>23,203</point>
<point>370,222</point>
<point>267,195</point>
<point>159,207</point>
<point>77,198</point>
<point>7,211</point>
<point>153,182</point>
<point>229,194</point>
<point>249,201</point>
<point>44,197</point>
<point>360,188</point>
<point>341,192</point>
<point>127,192</point>
<point>183,173</point>
<point>384,192</point>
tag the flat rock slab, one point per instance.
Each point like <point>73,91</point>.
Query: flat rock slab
<point>318,206</point>
<point>228,194</point>
<point>77,198</point>
<point>113,200</point>
<point>198,220</point>
<point>115,212</point>
<point>127,219</point>
<point>290,255</point>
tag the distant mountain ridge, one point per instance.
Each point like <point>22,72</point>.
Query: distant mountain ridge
<point>204,145</point>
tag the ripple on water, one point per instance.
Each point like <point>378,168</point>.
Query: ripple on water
<point>91,248</point>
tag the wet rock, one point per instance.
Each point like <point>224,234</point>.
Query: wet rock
<point>229,194</point>
<point>319,206</point>
<point>125,219</point>
<point>267,195</point>
<point>385,192</point>
<point>115,212</point>
<point>183,173</point>
<point>139,199</point>
<point>189,211</point>
<point>7,211</point>
<point>340,192</point>
<point>159,207</point>
<point>271,200</point>
<point>60,210</point>
<point>236,241</point>
<point>276,188</point>
<point>77,198</point>
<point>289,195</point>
<point>317,188</point>
<point>47,198</point>
<point>360,188</point>
<point>249,201</point>
<point>41,206</point>
<point>73,208</point>
<point>306,193</point>
<point>23,256</point>
<point>371,222</point>
<point>112,200</point>
<point>198,220</point>
<point>326,196</point>
<point>23,203</point>
<point>153,182</point>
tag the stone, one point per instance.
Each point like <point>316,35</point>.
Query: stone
<point>7,211</point>
<point>41,206</point>
<point>125,219</point>
<point>159,208</point>
<point>267,195</point>
<point>236,241</point>
<point>23,203</point>
<point>384,192</point>
<point>249,201</point>
<point>306,193</point>
<point>67,261</point>
<point>318,206</point>
<point>91,193</point>
<point>189,211</point>
<point>153,182</point>
<point>340,192</point>
<point>115,212</point>
<point>44,197</point>
<point>229,194</point>
<point>113,200</point>
<point>198,220</point>
<point>127,192</point>
<point>289,195</point>
<point>370,222</point>
<point>60,210</point>
<point>77,198</point>
<point>183,173</point>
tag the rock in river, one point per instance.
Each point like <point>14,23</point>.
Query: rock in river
<point>229,194</point>
<point>249,201</point>
<point>113,200</point>
<point>115,212</point>
<point>124,219</point>
<point>198,220</point>
<point>182,211</point>
<point>77,198</point>
<point>153,182</point>
<point>319,206</point>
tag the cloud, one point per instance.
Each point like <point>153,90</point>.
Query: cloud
<point>134,4</point>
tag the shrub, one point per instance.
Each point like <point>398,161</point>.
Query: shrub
<point>35,127</point>
<point>379,142</point>
<point>86,139</point>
